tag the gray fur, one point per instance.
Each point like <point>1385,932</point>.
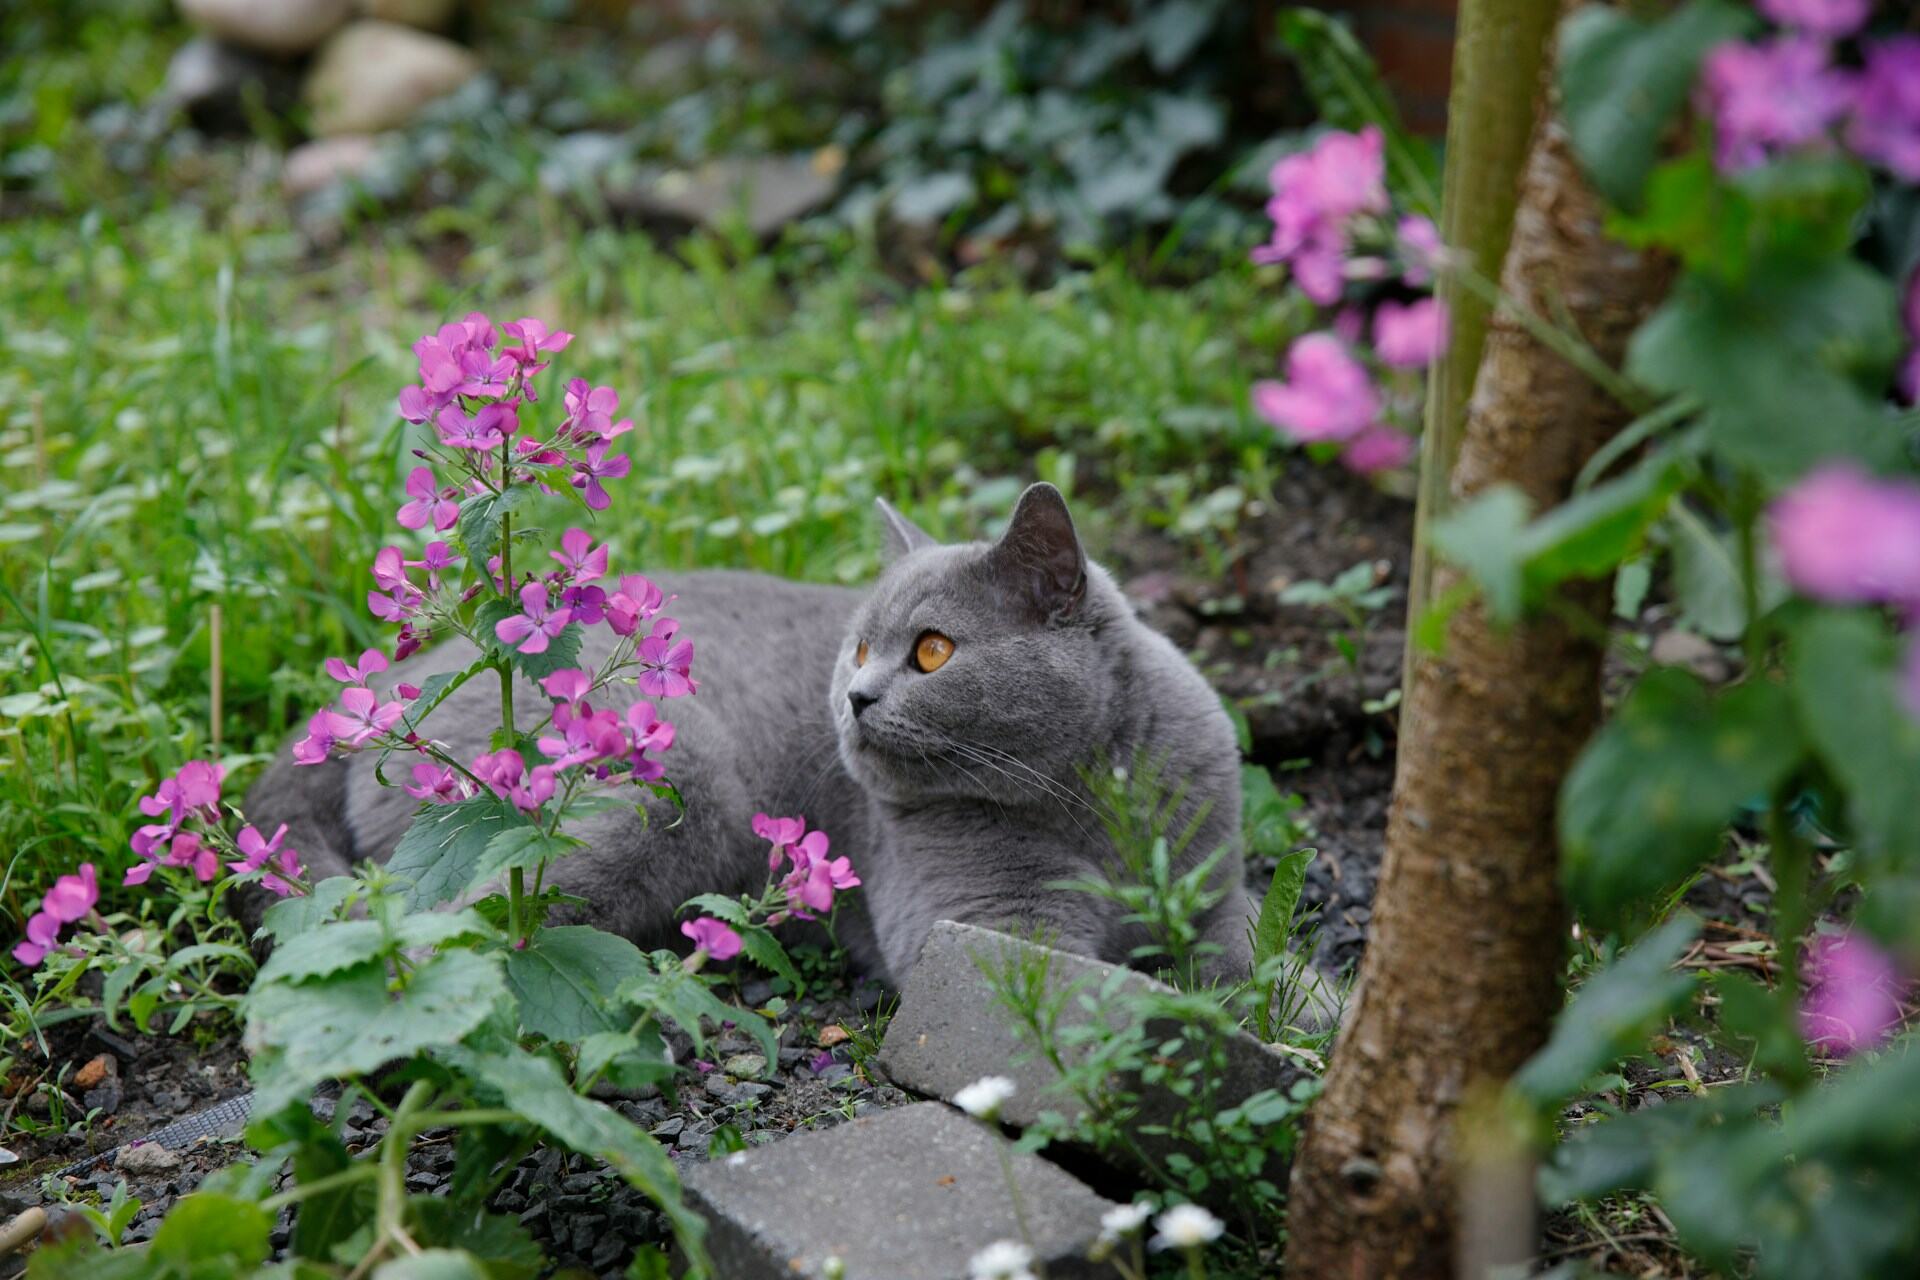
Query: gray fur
<point>956,793</point>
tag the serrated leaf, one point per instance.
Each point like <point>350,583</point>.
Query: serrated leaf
<point>1623,79</point>
<point>523,847</point>
<point>350,1023</point>
<point>325,950</point>
<point>536,1089</point>
<point>760,946</point>
<point>565,979</point>
<point>439,852</point>
<point>720,907</point>
<point>671,994</point>
<point>481,517</point>
<point>292,916</point>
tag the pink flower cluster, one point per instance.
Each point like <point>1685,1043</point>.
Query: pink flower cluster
<point>192,795</point>
<point>1853,995</point>
<point>71,898</point>
<point>812,877</point>
<point>1332,229</point>
<point>1845,536</point>
<point>476,389</point>
<point>1786,92</point>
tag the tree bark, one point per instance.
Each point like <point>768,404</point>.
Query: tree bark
<point>1462,977</point>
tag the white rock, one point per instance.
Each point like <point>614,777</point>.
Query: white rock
<point>146,1159</point>
<point>372,75</point>
<point>428,15</point>
<point>314,166</point>
<point>281,27</point>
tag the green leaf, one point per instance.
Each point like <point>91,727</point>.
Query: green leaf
<point>1792,363</point>
<point>631,1061</point>
<point>1622,81</point>
<point>1347,89</point>
<point>720,907</point>
<point>439,852</point>
<point>505,1249</point>
<point>565,978</point>
<point>1590,534</point>
<point>290,917</point>
<point>1846,690</point>
<point>523,847</point>
<point>536,1089</point>
<point>346,943</point>
<point>1482,536</point>
<point>351,1023</point>
<point>1645,804</point>
<point>208,1228</point>
<point>760,946</point>
<point>1763,1020</point>
<point>671,994</point>
<point>1610,1017</point>
<point>327,1217</point>
<point>1276,909</point>
<point>432,1264</point>
<point>1267,816</point>
<point>480,519</point>
<point>1706,577</point>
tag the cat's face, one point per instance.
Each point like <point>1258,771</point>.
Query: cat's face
<point>977,671</point>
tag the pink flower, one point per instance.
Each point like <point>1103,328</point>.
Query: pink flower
<point>1831,18</point>
<point>1885,127</point>
<point>500,770</point>
<point>43,932</point>
<point>199,783</point>
<point>436,560</point>
<point>1853,995</point>
<point>1328,394</point>
<point>590,410</point>
<point>1845,536</point>
<point>1410,337</point>
<point>1769,97</point>
<point>713,937</point>
<point>1421,248</point>
<point>648,733</point>
<point>531,629</point>
<point>362,716</point>
<point>569,684</point>
<point>314,748</point>
<point>588,473</point>
<point>781,832</point>
<point>429,503</point>
<point>487,429</point>
<point>577,554</point>
<point>531,339</point>
<point>637,601</point>
<point>665,667</point>
<point>258,852</point>
<point>436,784</point>
<point>588,604</point>
<point>190,851</point>
<point>72,896</point>
<point>371,663</point>
<point>584,736</point>
<point>1315,193</point>
<point>1378,448</point>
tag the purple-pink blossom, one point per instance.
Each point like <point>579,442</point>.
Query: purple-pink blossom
<point>595,467</point>
<point>486,429</point>
<point>1845,536</point>
<point>429,503</point>
<point>1885,125</point>
<point>362,716</point>
<point>637,601</point>
<point>1327,394</point>
<point>1378,447</point>
<point>1830,18</point>
<point>72,896</point>
<point>666,667</point>
<point>536,624</point>
<point>1410,336</point>
<point>648,733</point>
<point>257,853</point>
<point>713,937</point>
<point>531,339</point>
<point>372,662</point>
<point>314,748</point>
<point>780,832</point>
<point>1315,193</point>
<point>590,411</point>
<point>1853,995</point>
<point>1769,97</point>
<point>437,784</point>
<point>583,561</point>
<point>1420,249</point>
<point>569,684</point>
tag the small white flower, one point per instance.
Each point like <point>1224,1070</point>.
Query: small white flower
<point>1117,1224</point>
<point>1002,1260</point>
<point>984,1097</point>
<point>1186,1226</point>
<point>737,1159</point>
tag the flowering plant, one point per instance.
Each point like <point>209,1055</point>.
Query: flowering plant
<point>501,1022</point>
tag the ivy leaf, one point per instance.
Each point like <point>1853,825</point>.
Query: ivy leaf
<point>439,852</point>
<point>350,1023</point>
<point>1623,79</point>
<point>565,978</point>
<point>535,1088</point>
<point>1648,799</point>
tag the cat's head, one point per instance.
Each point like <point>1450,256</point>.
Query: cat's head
<point>981,669</point>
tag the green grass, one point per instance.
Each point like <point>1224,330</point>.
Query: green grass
<point>200,416</point>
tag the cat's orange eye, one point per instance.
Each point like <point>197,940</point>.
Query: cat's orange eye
<point>931,651</point>
<point>860,655</point>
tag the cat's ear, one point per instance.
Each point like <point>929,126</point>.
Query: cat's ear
<point>903,535</point>
<point>1039,559</point>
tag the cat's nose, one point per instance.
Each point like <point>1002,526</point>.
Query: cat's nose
<point>859,701</point>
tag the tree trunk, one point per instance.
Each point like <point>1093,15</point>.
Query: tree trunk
<point>1462,977</point>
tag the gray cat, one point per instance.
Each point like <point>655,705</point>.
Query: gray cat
<point>935,727</point>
